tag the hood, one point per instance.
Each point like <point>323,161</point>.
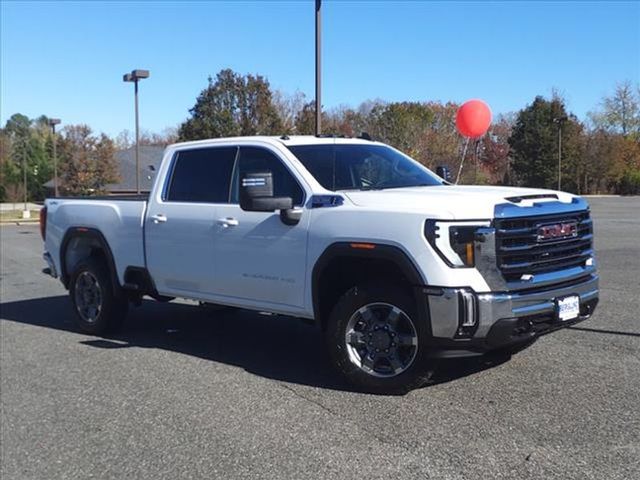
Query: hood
<point>457,202</point>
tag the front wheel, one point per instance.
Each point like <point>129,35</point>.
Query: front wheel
<point>376,341</point>
<point>98,308</point>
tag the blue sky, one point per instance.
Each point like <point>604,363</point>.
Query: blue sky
<point>66,59</point>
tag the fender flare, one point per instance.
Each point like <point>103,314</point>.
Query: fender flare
<point>94,234</point>
<point>378,252</point>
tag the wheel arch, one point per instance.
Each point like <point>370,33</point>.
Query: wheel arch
<point>81,243</point>
<point>344,264</point>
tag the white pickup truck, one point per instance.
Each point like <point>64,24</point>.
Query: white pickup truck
<point>395,265</point>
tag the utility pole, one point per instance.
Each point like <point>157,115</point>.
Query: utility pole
<point>25,212</point>
<point>559,121</point>
<point>52,123</point>
<point>559,156</point>
<point>318,70</point>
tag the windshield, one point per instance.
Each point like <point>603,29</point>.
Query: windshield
<point>362,167</point>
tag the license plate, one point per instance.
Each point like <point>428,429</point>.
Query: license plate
<point>568,308</point>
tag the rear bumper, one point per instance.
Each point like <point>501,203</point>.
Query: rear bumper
<point>466,323</point>
<point>51,266</point>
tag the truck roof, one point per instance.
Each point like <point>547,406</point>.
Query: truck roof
<point>287,140</point>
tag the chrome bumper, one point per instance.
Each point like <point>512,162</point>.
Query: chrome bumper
<point>462,315</point>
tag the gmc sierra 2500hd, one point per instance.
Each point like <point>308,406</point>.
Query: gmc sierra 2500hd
<point>394,264</point>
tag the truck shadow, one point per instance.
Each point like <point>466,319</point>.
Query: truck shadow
<point>274,347</point>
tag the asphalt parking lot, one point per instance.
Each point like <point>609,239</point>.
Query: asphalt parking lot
<point>185,393</point>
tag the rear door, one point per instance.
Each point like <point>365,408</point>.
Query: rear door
<point>181,225</point>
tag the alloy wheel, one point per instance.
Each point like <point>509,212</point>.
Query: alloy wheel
<point>88,297</point>
<point>381,340</point>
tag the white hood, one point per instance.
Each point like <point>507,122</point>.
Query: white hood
<point>460,202</point>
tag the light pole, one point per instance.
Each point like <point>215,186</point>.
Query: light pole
<point>52,123</point>
<point>134,76</point>
<point>25,212</point>
<point>559,121</point>
<point>318,71</point>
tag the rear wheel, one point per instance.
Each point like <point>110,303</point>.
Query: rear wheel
<point>98,308</point>
<point>376,341</point>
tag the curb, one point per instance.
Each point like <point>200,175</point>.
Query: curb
<point>21,223</point>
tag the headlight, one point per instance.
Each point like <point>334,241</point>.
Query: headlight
<point>454,241</point>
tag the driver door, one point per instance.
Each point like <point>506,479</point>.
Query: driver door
<point>258,258</point>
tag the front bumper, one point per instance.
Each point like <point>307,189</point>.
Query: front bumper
<point>467,323</point>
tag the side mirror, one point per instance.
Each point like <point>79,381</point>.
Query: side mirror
<point>291,216</point>
<point>443,172</point>
<point>256,194</point>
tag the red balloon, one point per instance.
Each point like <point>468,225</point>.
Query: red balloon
<point>473,118</point>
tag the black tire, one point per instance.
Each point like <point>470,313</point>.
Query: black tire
<point>112,306</point>
<point>417,372</point>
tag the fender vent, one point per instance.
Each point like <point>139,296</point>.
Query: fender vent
<point>531,197</point>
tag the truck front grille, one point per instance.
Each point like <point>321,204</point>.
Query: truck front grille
<point>520,250</point>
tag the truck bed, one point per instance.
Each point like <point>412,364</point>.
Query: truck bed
<point>119,219</point>
<point>131,197</point>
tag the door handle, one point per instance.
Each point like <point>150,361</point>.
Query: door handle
<point>228,222</point>
<point>159,218</point>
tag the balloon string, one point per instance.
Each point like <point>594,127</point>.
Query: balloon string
<point>475,161</point>
<point>464,152</point>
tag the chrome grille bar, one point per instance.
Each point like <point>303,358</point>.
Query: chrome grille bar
<point>519,251</point>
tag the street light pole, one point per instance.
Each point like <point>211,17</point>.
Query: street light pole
<point>559,156</point>
<point>134,77</point>
<point>318,71</point>
<point>135,88</point>
<point>559,121</point>
<point>25,211</point>
<point>52,123</point>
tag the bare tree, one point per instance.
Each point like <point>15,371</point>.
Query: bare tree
<point>125,139</point>
<point>288,107</point>
<point>620,113</point>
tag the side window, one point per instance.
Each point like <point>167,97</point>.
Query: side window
<point>332,172</point>
<point>202,175</point>
<point>255,159</point>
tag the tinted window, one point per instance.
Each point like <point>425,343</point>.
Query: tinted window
<point>255,159</point>
<point>349,167</point>
<point>202,175</point>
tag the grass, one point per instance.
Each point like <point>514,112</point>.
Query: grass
<point>16,215</point>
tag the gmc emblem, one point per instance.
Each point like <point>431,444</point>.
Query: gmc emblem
<point>557,231</point>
